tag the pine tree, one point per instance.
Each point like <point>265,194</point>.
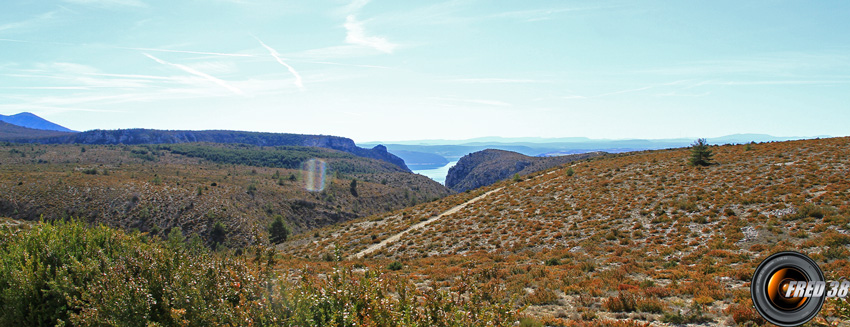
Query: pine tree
<point>218,234</point>
<point>278,232</point>
<point>353,187</point>
<point>700,153</point>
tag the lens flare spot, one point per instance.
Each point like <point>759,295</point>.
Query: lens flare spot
<point>314,175</point>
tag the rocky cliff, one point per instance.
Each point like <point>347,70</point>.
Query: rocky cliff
<point>150,136</point>
<point>486,167</point>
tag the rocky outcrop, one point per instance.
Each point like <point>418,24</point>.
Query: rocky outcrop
<point>151,136</point>
<point>489,166</point>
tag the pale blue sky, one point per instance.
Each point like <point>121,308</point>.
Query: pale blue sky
<point>400,70</point>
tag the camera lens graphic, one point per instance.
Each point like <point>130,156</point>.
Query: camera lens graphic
<point>778,286</point>
<point>771,282</point>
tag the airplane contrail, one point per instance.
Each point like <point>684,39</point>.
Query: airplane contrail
<point>195,72</point>
<point>277,57</point>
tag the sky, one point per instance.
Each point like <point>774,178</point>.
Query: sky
<point>407,70</point>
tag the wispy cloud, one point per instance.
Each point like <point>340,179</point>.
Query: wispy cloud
<point>207,53</point>
<point>44,88</point>
<point>342,64</point>
<point>47,109</point>
<point>680,94</point>
<point>195,72</point>
<point>29,23</point>
<point>781,82</point>
<point>334,52</point>
<point>277,57</point>
<point>573,97</point>
<point>190,52</point>
<point>356,5</point>
<point>532,15</point>
<point>495,80</point>
<point>783,64</point>
<point>642,88</point>
<point>356,34</point>
<point>495,103</point>
<point>109,3</point>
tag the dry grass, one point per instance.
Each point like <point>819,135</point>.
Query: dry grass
<point>637,237</point>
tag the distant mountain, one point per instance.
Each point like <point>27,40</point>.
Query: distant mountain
<point>152,136</point>
<point>747,138</point>
<point>10,132</point>
<point>535,146</point>
<point>421,160</point>
<point>28,120</point>
<point>490,166</point>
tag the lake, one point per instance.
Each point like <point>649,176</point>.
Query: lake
<point>437,174</point>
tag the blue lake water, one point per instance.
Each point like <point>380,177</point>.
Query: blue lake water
<point>437,174</point>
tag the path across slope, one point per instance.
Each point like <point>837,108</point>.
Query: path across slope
<point>396,237</point>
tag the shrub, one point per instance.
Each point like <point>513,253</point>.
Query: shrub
<point>744,313</point>
<point>67,274</point>
<point>693,316</point>
<point>623,302</point>
<point>529,322</point>
<point>395,266</point>
<point>700,153</point>
<point>218,234</point>
<point>278,231</point>
<point>352,188</point>
<point>541,296</point>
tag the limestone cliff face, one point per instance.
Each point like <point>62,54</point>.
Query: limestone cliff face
<point>489,166</point>
<point>150,136</point>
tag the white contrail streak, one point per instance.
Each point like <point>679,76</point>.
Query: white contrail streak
<point>277,57</point>
<point>199,74</point>
<point>189,52</point>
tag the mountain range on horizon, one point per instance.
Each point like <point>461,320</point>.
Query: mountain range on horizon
<point>417,154</point>
<point>30,120</point>
<point>732,138</point>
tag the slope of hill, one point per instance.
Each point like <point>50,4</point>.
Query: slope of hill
<point>11,132</point>
<point>486,167</point>
<point>194,186</point>
<point>29,120</point>
<point>151,136</point>
<point>627,239</point>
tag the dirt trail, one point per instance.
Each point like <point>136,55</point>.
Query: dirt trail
<point>398,236</point>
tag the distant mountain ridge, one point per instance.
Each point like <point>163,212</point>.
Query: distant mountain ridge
<point>421,160</point>
<point>151,136</point>
<point>453,150</point>
<point>12,132</point>
<point>486,167</point>
<point>29,120</point>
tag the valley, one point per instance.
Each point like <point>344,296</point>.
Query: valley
<point>639,238</point>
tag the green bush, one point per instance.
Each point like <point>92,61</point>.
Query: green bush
<point>395,266</point>
<point>700,153</point>
<point>67,274</point>
<point>278,231</point>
